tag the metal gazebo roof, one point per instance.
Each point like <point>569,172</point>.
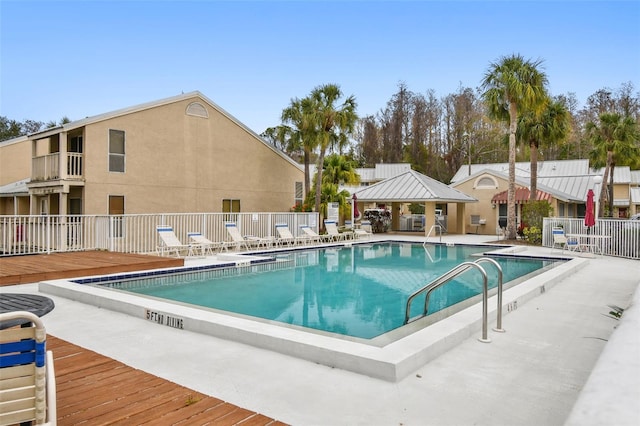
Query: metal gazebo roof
<point>412,186</point>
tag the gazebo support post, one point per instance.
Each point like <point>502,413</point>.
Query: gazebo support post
<point>429,216</point>
<point>461,212</point>
<point>395,216</point>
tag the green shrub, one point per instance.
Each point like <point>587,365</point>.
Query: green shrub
<point>533,234</point>
<point>532,214</point>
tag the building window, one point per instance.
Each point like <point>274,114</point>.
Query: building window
<point>75,206</point>
<point>299,194</point>
<point>231,206</point>
<point>116,216</point>
<point>196,109</point>
<point>44,206</point>
<point>485,182</point>
<point>75,144</point>
<point>502,215</point>
<point>116,151</point>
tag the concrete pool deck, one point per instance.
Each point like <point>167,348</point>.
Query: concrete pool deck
<point>531,375</point>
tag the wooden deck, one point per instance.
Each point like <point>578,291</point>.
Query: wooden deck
<point>96,390</point>
<point>39,267</point>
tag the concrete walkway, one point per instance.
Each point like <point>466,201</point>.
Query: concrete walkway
<point>531,375</point>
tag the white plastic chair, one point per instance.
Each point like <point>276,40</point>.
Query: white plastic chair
<point>238,241</point>
<point>27,374</point>
<point>559,239</point>
<point>313,236</point>
<point>285,236</point>
<point>364,231</point>
<point>332,230</point>
<point>206,246</point>
<point>171,243</point>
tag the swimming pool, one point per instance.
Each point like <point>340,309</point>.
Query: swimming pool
<point>390,356</point>
<point>359,290</point>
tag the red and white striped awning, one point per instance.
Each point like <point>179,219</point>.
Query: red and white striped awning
<point>522,196</point>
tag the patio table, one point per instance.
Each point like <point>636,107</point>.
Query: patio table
<point>590,242</point>
<point>36,304</point>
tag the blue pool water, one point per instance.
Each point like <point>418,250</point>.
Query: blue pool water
<point>358,291</point>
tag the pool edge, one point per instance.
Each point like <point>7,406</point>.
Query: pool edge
<point>392,362</point>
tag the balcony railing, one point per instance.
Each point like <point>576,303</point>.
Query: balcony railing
<point>47,167</point>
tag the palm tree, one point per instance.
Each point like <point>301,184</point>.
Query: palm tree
<point>614,138</point>
<point>301,132</point>
<point>337,169</point>
<point>550,127</point>
<point>331,194</point>
<point>513,85</point>
<point>332,125</point>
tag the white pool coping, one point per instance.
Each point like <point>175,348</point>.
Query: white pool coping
<point>391,362</point>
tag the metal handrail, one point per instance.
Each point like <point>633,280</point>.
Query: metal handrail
<point>498,326</point>
<point>426,250</point>
<point>429,233</point>
<point>448,276</point>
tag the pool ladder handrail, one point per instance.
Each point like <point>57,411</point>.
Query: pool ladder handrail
<point>429,233</point>
<point>498,326</point>
<point>451,274</point>
<point>426,250</point>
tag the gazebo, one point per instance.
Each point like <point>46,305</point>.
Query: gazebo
<point>414,187</point>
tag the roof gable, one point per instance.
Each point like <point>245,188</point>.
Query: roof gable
<point>564,188</point>
<point>154,104</point>
<point>412,186</point>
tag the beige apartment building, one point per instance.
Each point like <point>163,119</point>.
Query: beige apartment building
<point>180,154</point>
<point>563,183</point>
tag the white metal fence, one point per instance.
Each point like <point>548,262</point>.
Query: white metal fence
<point>137,233</point>
<point>132,233</point>
<point>624,235</point>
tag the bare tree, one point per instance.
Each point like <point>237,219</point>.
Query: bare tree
<point>370,142</point>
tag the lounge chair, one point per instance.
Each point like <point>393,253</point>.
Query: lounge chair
<point>27,376</point>
<point>559,239</point>
<point>206,246</point>
<point>237,240</point>
<point>573,244</point>
<point>285,237</point>
<point>313,236</point>
<point>364,231</point>
<point>562,241</point>
<point>171,243</point>
<point>332,230</point>
<point>248,242</point>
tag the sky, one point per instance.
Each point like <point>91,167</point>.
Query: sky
<point>77,58</point>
